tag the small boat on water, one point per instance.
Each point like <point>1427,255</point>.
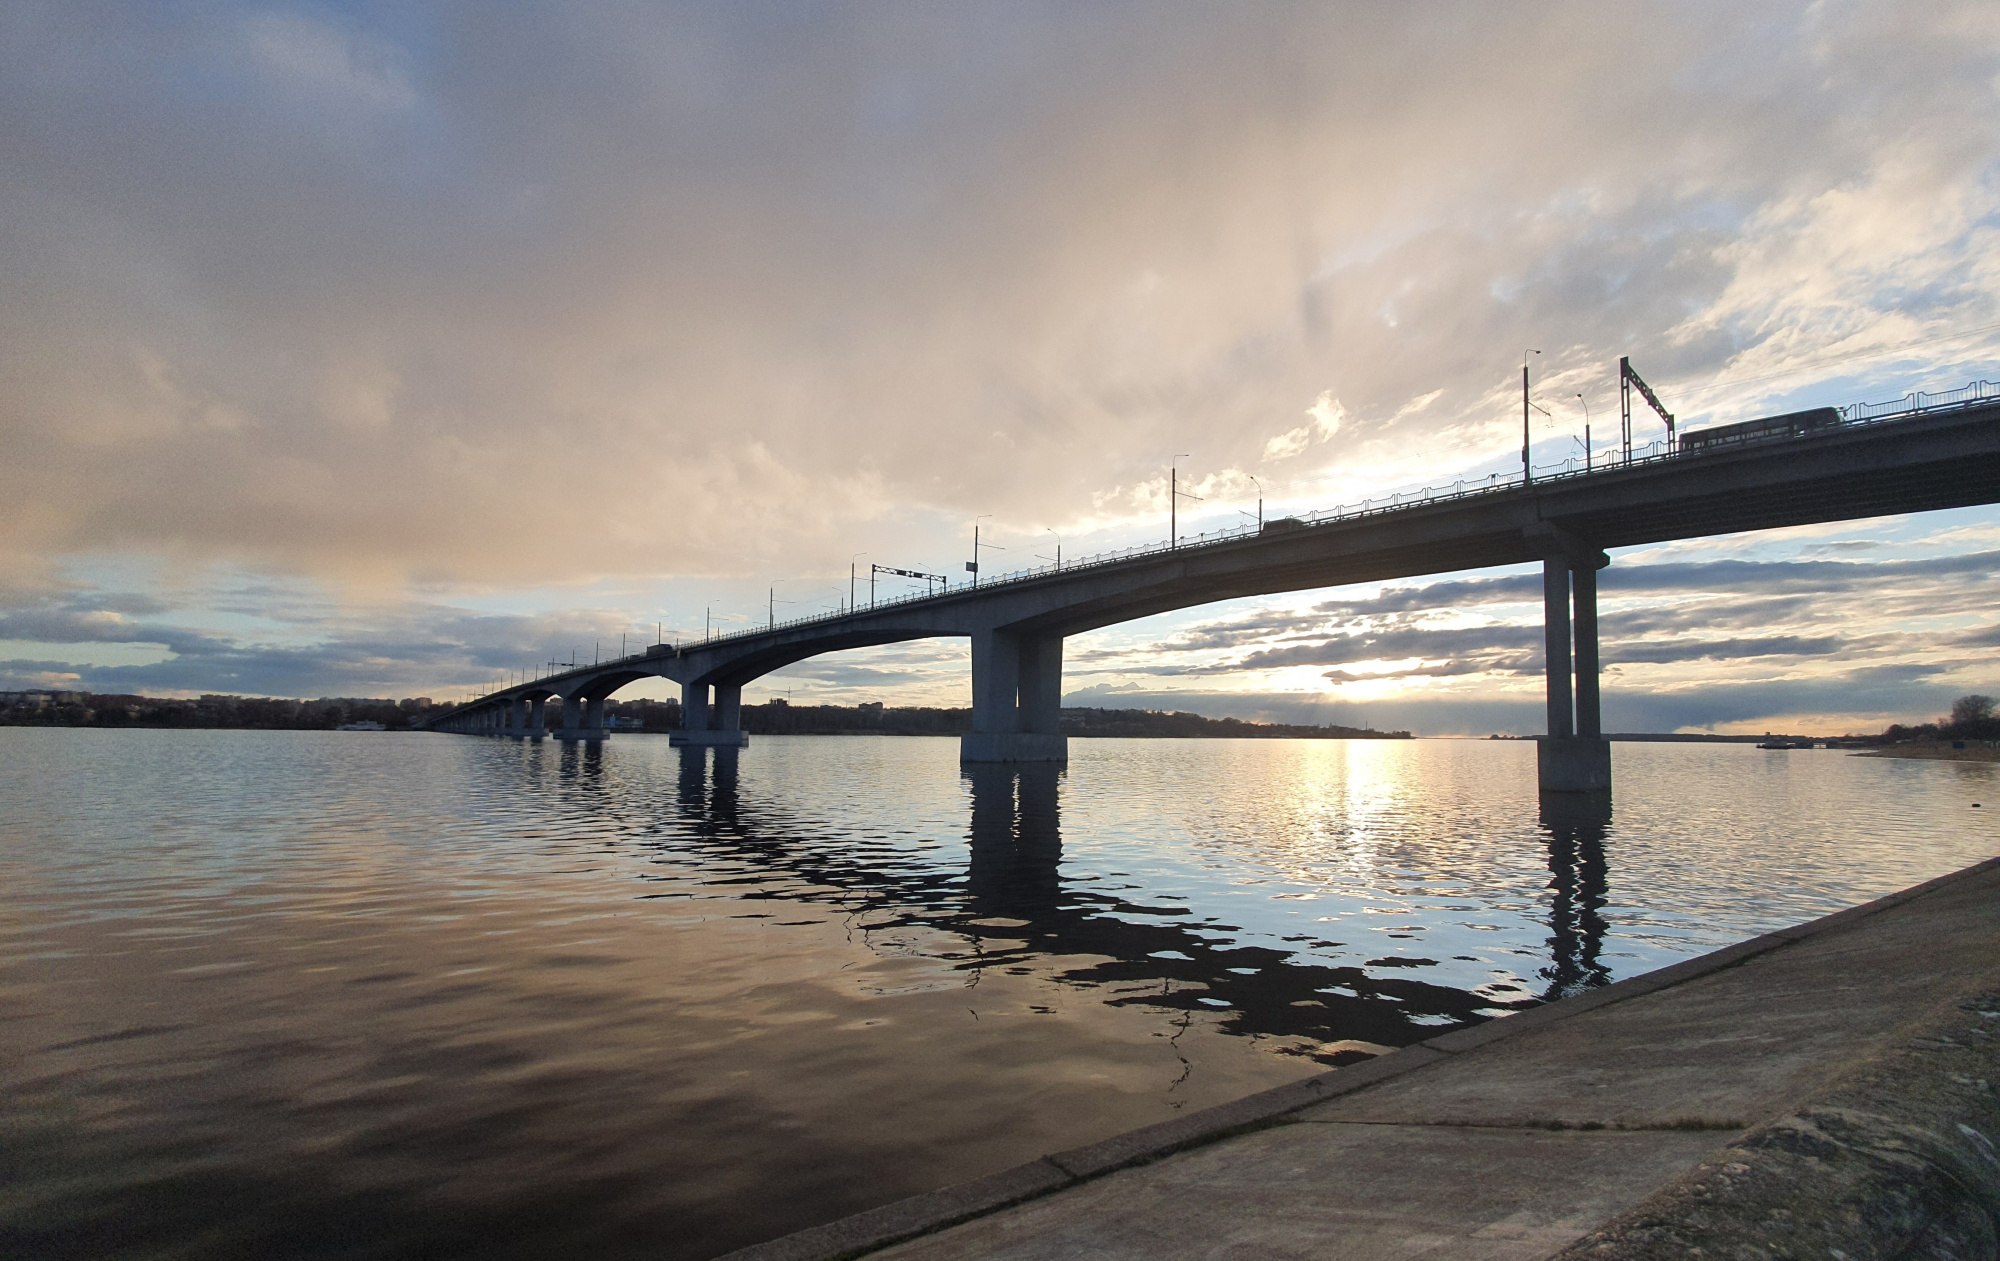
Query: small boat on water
<point>361,726</point>
<point>1786,744</point>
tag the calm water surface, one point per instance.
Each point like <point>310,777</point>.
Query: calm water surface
<point>397,995</point>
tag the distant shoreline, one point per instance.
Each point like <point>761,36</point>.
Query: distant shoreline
<point>1939,752</point>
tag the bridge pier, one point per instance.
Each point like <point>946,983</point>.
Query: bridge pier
<point>1574,756</point>
<point>582,719</point>
<point>703,724</point>
<point>538,717</point>
<point>1016,699</point>
<point>593,720</point>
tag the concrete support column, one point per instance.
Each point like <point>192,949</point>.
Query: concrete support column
<point>538,716</point>
<point>1016,699</point>
<point>517,717</point>
<point>728,707</point>
<point>1555,630</point>
<point>572,713</point>
<point>1573,757</point>
<point>720,724</point>
<point>1583,592</point>
<point>1040,706</point>
<point>593,714</point>
<point>996,682</point>
<point>694,707</point>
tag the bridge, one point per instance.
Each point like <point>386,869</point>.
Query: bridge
<point>1922,453</point>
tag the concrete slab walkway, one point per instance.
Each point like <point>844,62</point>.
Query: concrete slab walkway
<point>1511,1139</point>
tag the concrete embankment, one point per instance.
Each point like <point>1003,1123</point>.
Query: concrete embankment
<point>1823,1091</point>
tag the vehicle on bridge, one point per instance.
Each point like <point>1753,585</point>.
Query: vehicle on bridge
<point>1789,425</point>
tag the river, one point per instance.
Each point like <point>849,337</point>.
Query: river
<point>366,995</point>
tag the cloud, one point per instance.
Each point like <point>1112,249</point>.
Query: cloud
<point>1860,702</point>
<point>1326,413</point>
<point>335,295</point>
<point>326,68</point>
<point>1722,649</point>
<point>1762,577</point>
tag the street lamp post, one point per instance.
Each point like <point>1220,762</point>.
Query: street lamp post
<point>1260,500</point>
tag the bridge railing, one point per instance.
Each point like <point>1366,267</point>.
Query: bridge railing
<point>1921,401</point>
<point>1852,416</point>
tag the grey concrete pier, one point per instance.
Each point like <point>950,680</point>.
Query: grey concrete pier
<point>722,739</point>
<point>1829,1090</point>
<point>1573,764</point>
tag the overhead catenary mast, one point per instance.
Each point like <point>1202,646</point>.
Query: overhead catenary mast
<point>873,569</point>
<point>1628,380</point>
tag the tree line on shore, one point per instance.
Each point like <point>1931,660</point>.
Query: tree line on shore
<point>774,717</point>
<point>1972,717</point>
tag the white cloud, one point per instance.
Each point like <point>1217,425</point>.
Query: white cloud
<point>326,67</point>
<point>1326,414</point>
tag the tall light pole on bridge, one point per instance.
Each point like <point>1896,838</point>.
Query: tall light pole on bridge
<point>1527,467</point>
<point>1058,538</point>
<point>1260,500</point>
<point>1174,496</point>
<point>1586,430</point>
<point>850,580</point>
<point>972,566</point>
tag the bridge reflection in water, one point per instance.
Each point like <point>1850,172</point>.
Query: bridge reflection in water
<point>1576,827</point>
<point>1010,908</point>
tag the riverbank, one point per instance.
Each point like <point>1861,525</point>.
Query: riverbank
<point>1937,752</point>
<point>1821,1089</point>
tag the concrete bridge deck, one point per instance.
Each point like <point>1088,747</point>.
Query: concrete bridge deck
<point>1928,459</point>
<point>1826,1090</point>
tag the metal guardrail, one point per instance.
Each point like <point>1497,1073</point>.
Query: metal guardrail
<point>1852,416</point>
<point>1919,401</point>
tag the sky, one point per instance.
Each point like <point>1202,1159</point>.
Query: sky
<point>391,350</point>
